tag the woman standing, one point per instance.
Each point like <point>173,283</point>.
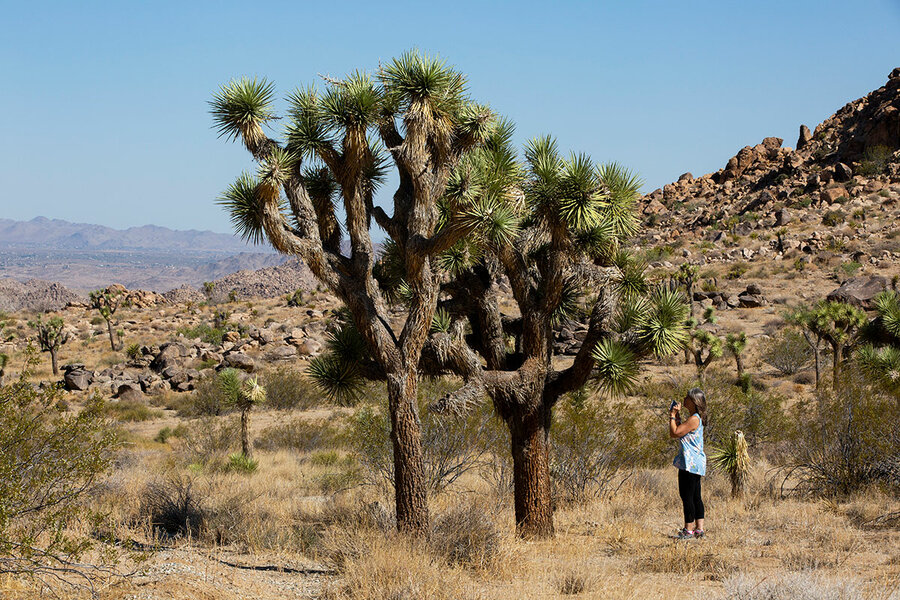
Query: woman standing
<point>690,461</point>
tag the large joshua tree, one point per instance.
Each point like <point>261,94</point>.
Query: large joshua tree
<point>562,252</point>
<point>415,113</point>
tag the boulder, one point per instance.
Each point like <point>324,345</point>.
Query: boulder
<point>831,195</point>
<point>842,172</point>
<point>239,360</point>
<point>805,137</point>
<point>279,353</point>
<point>859,291</point>
<point>77,379</point>
<point>170,355</point>
<point>309,347</point>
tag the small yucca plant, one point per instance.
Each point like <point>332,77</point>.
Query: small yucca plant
<point>733,459</point>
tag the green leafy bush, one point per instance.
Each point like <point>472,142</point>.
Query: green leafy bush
<point>846,440</point>
<point>832,218</point>
<point>48,462</point>
<point>874,160</point>
<point>787,351</point>
<point>288,388</point>
<point>299,435</point>
<point>593,443</point>
<point>737,270</point>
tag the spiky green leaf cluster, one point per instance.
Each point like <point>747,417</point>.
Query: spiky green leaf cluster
<point>244,208</point>
<point>616,365</point>
<point>883,364</point>
<point>416,78</point>
<point>242,105</point>
<point>336,371</point>
<point>441,321</point>
<point>660,322</point>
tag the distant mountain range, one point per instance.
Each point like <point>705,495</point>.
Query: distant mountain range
<point>56,234</point>
<point>82,256</point>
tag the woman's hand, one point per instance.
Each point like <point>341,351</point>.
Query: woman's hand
<point>675,409</point>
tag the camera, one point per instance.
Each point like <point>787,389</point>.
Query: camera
<point>672,406</point>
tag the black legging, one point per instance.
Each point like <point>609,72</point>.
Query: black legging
<point>689,490</point>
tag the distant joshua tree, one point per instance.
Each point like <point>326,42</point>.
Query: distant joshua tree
<point>50,336</point>
<point>4,360</point>
<point>837,323</point>
<point>735,344</point>
<point>107,302</point>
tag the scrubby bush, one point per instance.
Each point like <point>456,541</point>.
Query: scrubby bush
<point>874,160</point>
<point>206,333</point>
<point>737,270</point>
<point>593,442</point>
<point>298,435</point>
<point>846,439</point>
<point>466,535</point>
<point>48,461</point>
<point>206,400</point>
<point>175,507</point>
<point>208,440</point>
<point>239,462</point>
<point>288,388</point>
<point>832,218</point>
<point>787,351</point>
<point>130,411</point>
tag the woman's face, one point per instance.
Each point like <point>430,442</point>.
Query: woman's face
<point>689,404</point>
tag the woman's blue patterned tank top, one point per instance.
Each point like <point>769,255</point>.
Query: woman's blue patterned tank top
<point>691,457</point>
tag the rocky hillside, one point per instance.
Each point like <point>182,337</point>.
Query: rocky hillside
<point>853,154</point>
<point>34,295</point>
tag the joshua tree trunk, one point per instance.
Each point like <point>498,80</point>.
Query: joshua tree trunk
<point>739,364</point>
<point>818,365</point>
<point>246,442</point>
<point>409,463</point>
<point>53,361</point>
<point>112,337</point>
<point>531,474</point>
<point>836,368</point>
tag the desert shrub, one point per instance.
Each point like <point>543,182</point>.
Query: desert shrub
<point>832,218</point>
<point>133,351</point>
<point>592,444</point>
<point>48,461</point>
<point>452,445</point>
<point>208,440</point>
<point>241,463</point>
<point>288,388</point>
<point>207,399</point>
<point>175,507</point>
<point>169,432</point>
<point>204,331</point>
<point>846,440</point>
<point>850,268</point>
<point>787,351</point>
<point>131,411</point>
<point>299,435</point>
<point>466,535</point>
<point>576,580</point>
<point>874,160</point>
<point>737,270</point>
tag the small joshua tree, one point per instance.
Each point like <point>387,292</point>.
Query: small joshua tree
<point>687,276</point>
<point>50,336</point>
<point>243,395</point>
<point>107,302</point>
<point>4,359</point>
<point>703,345</point>
<point>734,460</point>
<point>208,288</point>
<point>735,344</point>
<point>837,323</point>
<point>803,319</point>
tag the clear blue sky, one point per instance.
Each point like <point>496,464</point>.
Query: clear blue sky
<point>103,114</point>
